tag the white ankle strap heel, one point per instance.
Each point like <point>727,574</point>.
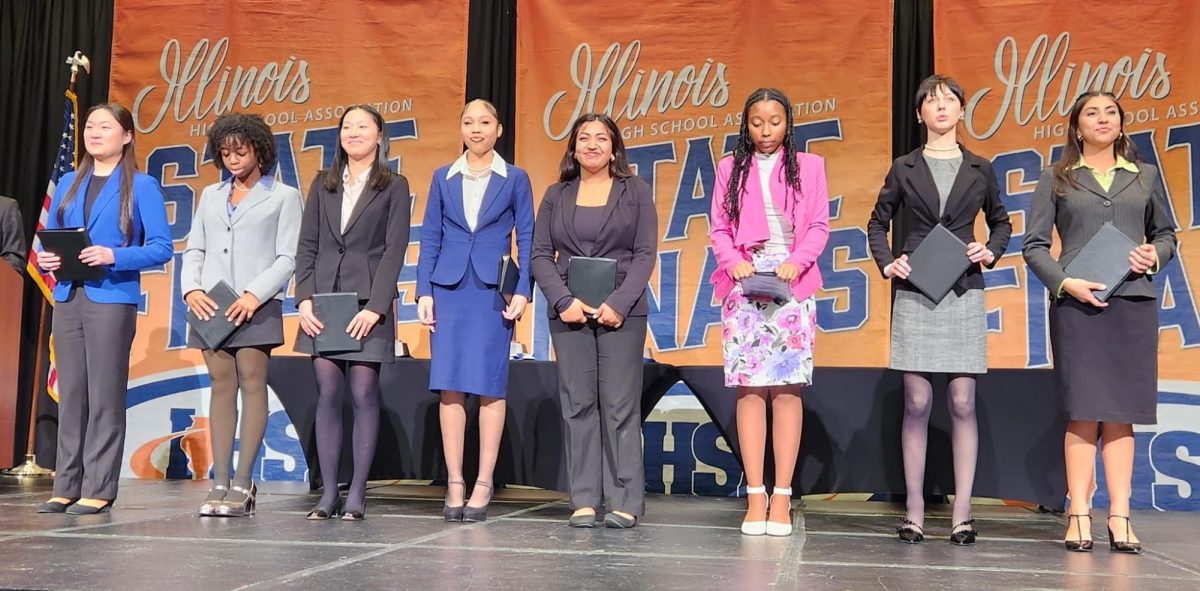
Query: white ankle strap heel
<point>774,528</point>
<point>755,528</point>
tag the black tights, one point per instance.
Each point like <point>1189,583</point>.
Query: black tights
<point>914,438</point>
<point>364,392</point>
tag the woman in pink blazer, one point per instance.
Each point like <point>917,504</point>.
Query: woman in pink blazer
<point>770,222</point>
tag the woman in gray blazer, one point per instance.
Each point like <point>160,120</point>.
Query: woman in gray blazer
<point>1105,353</point>
<point>244,233</point>
<point>352,239</point>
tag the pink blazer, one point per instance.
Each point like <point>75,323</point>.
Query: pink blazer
<point>732,242</point>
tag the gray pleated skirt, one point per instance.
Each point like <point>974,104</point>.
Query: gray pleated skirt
<point>946,337</point>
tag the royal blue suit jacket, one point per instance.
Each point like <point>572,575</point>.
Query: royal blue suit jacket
<point>149,246</point>
<point>448,245</point>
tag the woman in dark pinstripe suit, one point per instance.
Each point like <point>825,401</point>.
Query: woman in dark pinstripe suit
<point>1105,353</point>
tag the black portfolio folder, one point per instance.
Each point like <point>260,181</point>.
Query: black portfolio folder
<point>592,279</point>
<point>335,311</point>
<point>216,330</point>
<point>1104,259</point>
<point>937,263</point>
<point>67,243</point>
<point>507,279</point>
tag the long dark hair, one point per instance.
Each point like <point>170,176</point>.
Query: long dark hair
<point>568,169</point>
<point>242,128</point>
<point>743,152</point>
<point>127,166</point>
<point>1065,165</point>
<point>381,173</point>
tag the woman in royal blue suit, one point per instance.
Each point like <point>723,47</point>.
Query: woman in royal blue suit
<point>474,206</point>
<point>94,321</point>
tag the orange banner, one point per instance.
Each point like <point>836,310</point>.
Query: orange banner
<point>1022,63</point>
<point>675,76</point>
<point>179,65</point>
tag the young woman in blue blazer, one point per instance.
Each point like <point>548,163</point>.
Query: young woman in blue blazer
<point>244,233</point>
<point>94,321</point>
<point>475,205</point>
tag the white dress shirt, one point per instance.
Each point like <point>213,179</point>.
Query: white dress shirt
<point>782,232</point>
<point>474,186</point>
<point>350,194</point>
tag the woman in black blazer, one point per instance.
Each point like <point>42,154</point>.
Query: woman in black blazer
<point>940,183</point>
<point>1105,353</point>
<point>599,209</point>
<point>352,239</point>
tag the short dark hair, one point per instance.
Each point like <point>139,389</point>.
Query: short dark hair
<point>568,169</point>
<point>930,85</point>
<point>242,128</point>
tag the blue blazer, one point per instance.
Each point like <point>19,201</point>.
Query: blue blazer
<point>149,246</point>
<point>448,245</point>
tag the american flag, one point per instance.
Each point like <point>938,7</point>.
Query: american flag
<point>64,162</point>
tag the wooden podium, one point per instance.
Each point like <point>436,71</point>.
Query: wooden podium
<point>12,288</point>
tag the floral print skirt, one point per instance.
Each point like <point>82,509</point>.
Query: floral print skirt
<point>767,344</point>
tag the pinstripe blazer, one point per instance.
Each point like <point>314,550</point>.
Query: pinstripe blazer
<point>255,251</point>
<point>1135,204</point>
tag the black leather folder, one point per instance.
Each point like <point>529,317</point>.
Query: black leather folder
<point>937,263</point>
<point>592,279</point>
<point>507,279</point>
<point>335,311</point>
<point>67,243</point>
<point>765,285</point>
<point>1104,259</point>
<point>216,330</point>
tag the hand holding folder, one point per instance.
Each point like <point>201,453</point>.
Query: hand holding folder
<point>592,279</point>
<point>216,329</point>
<point>68,243</point>
<point>335,311</point>
<point>938,263</point>
<point>1103,260</point>
<point>507,279</point>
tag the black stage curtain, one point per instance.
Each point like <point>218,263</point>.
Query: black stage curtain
<point>912,62</point>
<point>36,38</point>
<point>492,64</point>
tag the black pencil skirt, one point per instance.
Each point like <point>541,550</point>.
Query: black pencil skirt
<point>1106,359</point>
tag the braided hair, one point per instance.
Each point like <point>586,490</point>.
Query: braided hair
<point>743,152</point>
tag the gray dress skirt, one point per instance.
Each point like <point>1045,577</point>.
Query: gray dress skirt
<point>264,329</point>
<point>946,337</point>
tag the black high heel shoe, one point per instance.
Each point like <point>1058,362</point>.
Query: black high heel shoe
<point>1125,546</point>
<point>474,514</point>
<point>320,513</point>
<point>55,506</point>
<point>1079,545</point>
<point>965,536</point>
<point>81,509</point>
<point>453,513</point>
<point>909,532</point>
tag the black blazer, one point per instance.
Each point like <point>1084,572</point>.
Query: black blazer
<point>628,234</point>
<point>909,186</point>
<point>368,257</point>
<point>12,235</point>
<point>1135,204</point>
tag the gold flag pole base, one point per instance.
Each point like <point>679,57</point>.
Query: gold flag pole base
<point>30,469</point>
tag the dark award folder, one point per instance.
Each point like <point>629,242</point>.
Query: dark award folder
<point>937,263</point>
<point>1104,259</point>
<point>506,281</point>
<point>216,330</point>
<point>592,279</point>
<point>335,311</point>
<point>765,285</point>
<point>67,243</point>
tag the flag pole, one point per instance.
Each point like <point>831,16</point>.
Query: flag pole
<point>30,468</point>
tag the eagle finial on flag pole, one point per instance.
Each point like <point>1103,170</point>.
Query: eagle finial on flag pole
<point>78,61</point>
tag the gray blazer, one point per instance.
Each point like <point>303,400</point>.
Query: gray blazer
<point>13,249</point>
<point>253,252</point>
<point>1135,204</point>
